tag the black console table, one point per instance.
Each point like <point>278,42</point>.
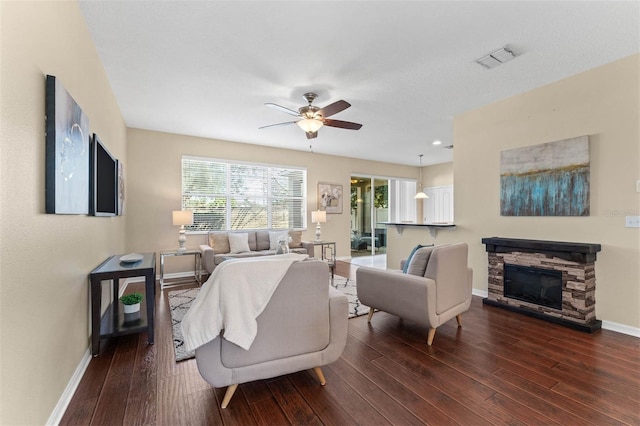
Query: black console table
<point>114,321</point>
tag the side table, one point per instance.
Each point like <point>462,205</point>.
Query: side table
<point>327,253</point>
<point>197,271</point>
<point>114,322</point>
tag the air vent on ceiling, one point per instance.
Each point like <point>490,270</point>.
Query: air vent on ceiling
<point>496,57</point>
<point>448,146</point>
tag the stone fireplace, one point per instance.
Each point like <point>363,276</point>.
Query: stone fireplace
<point>551,280</point>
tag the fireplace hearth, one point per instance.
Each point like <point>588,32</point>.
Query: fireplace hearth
<point>551,280</point>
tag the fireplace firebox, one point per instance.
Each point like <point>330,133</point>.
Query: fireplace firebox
<point>550,280</point>
<point>534,285</point>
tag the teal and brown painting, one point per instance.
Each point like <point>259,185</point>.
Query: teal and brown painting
<point>550,179</point>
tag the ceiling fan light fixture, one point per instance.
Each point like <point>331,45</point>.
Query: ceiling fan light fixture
<point>310,125</point>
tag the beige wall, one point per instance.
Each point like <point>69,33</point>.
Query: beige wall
<point>438,174</point>
<point>45,258</point>
<point>601,103</point>
<point>154,190</point>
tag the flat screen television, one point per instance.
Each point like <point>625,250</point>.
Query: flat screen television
<point>104,180</point>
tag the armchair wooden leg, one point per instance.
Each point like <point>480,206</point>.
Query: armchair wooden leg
<point>459,319</point>
<point>370,314</point>
<point>320,375</point>
<point>228,395</point>
<point>432,333</point>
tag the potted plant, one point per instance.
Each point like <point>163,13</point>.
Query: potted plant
<point>131,302</point>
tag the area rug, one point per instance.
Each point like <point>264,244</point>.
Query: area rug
<point>180,302</point>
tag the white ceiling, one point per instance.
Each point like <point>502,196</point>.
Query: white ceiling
<point>206,68</point>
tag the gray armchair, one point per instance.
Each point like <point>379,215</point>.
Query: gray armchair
<point>303,326</point>
<point>436,287</point>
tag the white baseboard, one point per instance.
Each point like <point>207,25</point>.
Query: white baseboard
<point>65,398</point>
<point>480,293</point>
<point>621,328</point>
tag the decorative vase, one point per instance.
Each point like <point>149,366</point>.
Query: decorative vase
<point>130,309</point>
<point>283,245</point>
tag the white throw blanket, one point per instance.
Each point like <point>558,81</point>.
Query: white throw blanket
<point>233,297</point>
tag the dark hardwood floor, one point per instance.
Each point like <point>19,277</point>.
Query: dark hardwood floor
<point>499,368</point>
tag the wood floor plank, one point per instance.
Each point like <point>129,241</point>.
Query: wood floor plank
<point>141,402</point>
<point>237,412</point>
<point>359,409</point>
<point>291,402</point>
<point>326,407</point>
<point>499,367</point>
<point>608,403</point>
<point>586,413</point>
<point>112,402</point>
<point>267,412</point>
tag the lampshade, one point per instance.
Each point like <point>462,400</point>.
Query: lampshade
<point>182,217</point>
<point>310,124</point>
<point>318,216</point>
<point>420,195</point>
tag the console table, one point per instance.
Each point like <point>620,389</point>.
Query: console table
<point>115,322</point>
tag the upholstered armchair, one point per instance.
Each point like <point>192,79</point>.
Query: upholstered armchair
<point>303,326</point>
<point>435,288</point>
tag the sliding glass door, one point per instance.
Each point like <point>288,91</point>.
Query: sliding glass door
<point>369,208</point>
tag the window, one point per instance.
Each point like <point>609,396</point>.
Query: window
<point>231,195</point>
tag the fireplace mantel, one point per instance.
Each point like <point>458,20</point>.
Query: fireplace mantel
<point>575,252</point>
<point>576,262</point>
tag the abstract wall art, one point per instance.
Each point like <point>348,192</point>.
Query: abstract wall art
<point>67,152</point>
<point>330,198</point>
<point>550,179</point>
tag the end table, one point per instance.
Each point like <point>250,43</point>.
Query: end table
<point>197,271</point>
<point>327,253</point>
<point>114,322</point>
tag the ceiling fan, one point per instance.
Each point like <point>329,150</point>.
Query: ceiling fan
<point>312,118</point>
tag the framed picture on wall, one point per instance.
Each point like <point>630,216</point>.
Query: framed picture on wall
<point>330,198</point>
<point>67,152</point>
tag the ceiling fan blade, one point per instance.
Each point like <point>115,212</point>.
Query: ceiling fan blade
<point>334,108</point>
<point>343,124</point>
<point>283,109</point>
<point>311,135</point>
<point>278,124</point>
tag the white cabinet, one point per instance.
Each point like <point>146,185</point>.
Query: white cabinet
<point>438,208</point>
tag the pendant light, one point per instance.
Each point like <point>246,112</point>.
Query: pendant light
<point>420,195</point>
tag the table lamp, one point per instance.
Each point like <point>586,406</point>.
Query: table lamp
<point>182,218</point>
<point>317,217</point>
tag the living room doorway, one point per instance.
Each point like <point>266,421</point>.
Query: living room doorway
<point>369,208</point>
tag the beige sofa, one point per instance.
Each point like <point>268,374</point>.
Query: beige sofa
<point>262,242</point>
<point>303,326</point>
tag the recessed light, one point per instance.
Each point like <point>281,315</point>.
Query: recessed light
<point>437,142</point>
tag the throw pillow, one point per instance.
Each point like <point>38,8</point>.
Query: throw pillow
<point>296,239</point>
<point>274,237</point>
<point>408,261</point>
<point>239,242</point>
<point>419,260</point>
<point>219,242</point>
